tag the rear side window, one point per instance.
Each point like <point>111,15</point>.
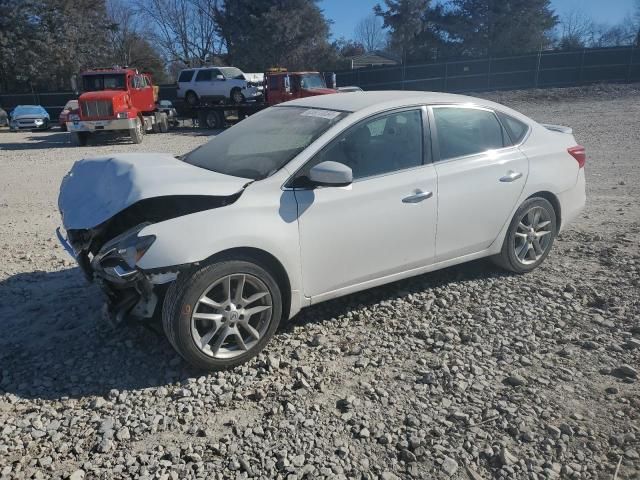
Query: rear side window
<point>185,76</point>
<point>204,76</point>
<point>516,129</point>
<point>467,131</point>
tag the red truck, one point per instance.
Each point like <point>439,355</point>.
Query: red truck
<point>278,86</point>
<point>116,100</point>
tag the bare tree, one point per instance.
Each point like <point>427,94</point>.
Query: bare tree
<point>183,29</point>
<point>577,30</point>
<point>370,33</point>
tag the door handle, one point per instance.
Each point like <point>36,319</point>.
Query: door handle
<point>417,197</point>
<point>511,176</point>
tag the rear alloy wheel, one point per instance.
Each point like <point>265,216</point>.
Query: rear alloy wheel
<point>530,236</point>
<point>237,96</point>
<point>222,315</point>
<point>137,133</point>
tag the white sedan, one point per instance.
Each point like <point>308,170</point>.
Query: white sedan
<point>311,200</point>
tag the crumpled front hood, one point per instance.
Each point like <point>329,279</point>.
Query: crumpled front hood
<point>97,188</point>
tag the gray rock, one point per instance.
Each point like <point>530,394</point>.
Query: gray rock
<point>449,466</point>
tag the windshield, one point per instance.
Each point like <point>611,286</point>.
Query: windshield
<point>94,83</point>
<point>311,81</point>
<point>233,72</point>
<point>263,143</point>
<point>29,110</point>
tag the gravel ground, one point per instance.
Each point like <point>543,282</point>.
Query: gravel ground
<point>463,373</point>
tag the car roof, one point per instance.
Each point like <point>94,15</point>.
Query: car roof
<point>355,101</point>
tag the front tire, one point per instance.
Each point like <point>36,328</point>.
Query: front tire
<point>237,96</point>
<point>223,314</point>
<point>530,236</point>
<point>80,139</point>
<point>137,133</point>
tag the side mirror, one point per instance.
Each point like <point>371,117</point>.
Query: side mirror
<point>220,77</point>
<point>331,174</point>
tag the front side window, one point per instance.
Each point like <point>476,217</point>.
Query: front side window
<point>466,131</point>
<point>382,145</point>
<point>277,135</point>
<point>204,76</point>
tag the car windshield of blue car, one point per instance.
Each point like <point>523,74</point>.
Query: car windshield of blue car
<point>262,144</point>
<point>29,111</point>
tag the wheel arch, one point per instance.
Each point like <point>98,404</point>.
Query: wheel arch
<point>555,203</point>
<point>266,260</point>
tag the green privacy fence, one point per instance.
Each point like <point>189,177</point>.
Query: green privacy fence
<point>538,70</point>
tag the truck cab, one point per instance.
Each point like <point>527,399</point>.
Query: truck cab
<point>116,100</point>
<point>282,86</point>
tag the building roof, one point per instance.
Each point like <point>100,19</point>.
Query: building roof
<point>373,58</point>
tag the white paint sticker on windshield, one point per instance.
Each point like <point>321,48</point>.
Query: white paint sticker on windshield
<point>328,114</point>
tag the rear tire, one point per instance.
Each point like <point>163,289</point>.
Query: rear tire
<point>529,238</point>
<point>80,139</point>
<point>137,133</point>
<point>183,311</point>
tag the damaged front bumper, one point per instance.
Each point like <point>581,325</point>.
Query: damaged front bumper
<point>130,292</point>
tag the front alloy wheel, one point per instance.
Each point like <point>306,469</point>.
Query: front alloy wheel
<point>223,314</point>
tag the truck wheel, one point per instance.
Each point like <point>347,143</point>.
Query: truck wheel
<point>214,120</point>
<point>237,96</point>
<point>191,98</point>
<point>80,139</point>
<point>137,133</point>
<point>223,314</point>
<point>164,123</point>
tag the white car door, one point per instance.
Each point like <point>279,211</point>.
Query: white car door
<point>480,178</point>
<point>382,224</point>
<point>203,83</point>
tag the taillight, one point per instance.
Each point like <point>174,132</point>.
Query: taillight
<point>579,154</point>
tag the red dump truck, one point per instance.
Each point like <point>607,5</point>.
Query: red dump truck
<point>119,101</point>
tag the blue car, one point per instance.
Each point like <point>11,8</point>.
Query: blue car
<point>29,117</point>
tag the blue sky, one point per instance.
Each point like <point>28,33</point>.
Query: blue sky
<point>346,13</point>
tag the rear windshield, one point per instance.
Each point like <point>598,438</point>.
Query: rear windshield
<point>263,143</point>
<point>311,81</point>
<point>185,76</point>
